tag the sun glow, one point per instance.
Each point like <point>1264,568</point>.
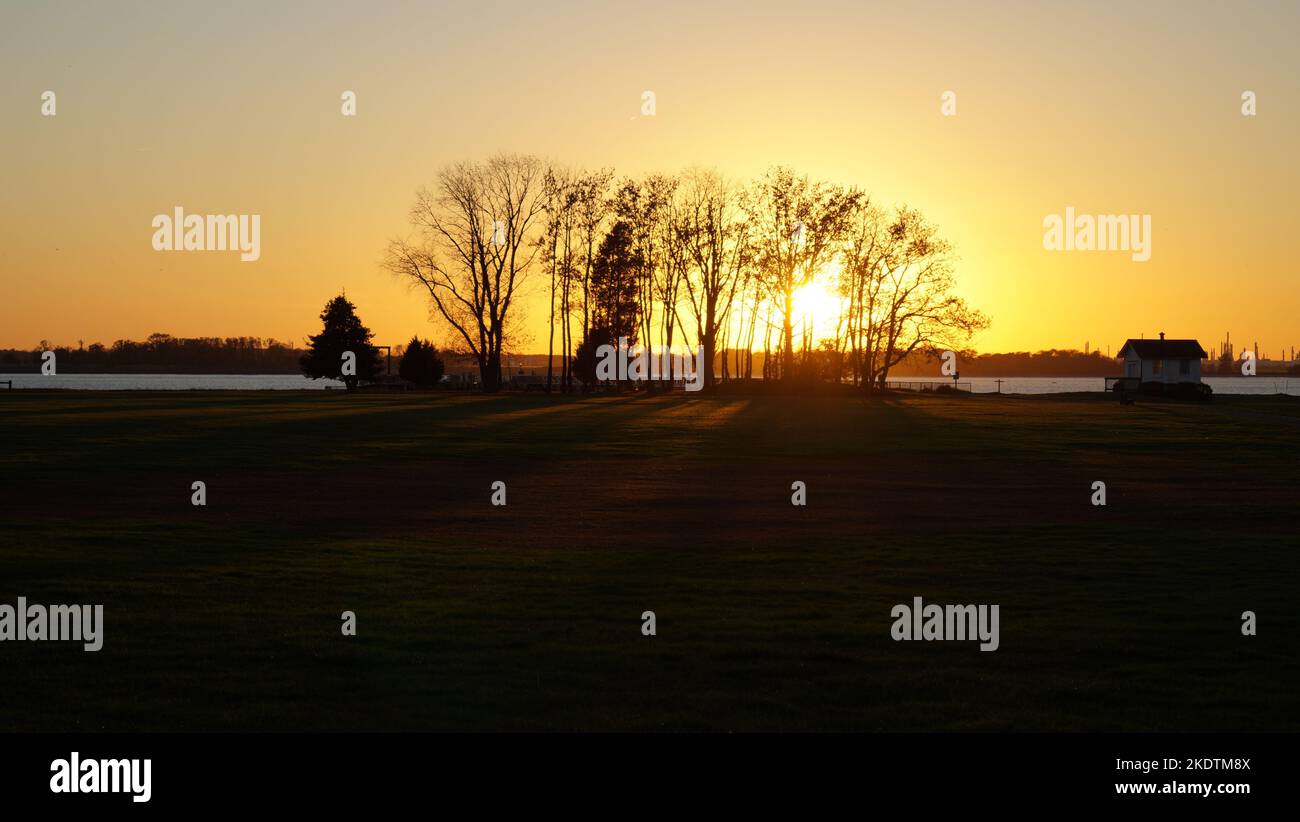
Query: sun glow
<point>818,305</point>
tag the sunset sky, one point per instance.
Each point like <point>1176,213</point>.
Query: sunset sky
<point>1112,108</point>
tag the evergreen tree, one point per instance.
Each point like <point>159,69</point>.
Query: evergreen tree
<point>421,363</point>
<point>342,332</point>
<point>614,287</point>
<point>583,364</point>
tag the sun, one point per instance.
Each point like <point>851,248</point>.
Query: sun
<point>818,304</point>
<point>818,299</point>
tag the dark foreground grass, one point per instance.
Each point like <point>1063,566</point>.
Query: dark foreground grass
<point>769,616</point>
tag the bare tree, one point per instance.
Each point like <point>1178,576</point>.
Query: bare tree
<point>673,262</point>
<point>797,226</point>
<point>904,276</point>
<point>717,242</point>
<point>591,206</point>
<point>643,206</point>
<point>869,243</point>
<point>474,246</point>
<point>560,199</point>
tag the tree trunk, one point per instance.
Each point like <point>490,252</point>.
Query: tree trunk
<point>787,335</point>
<point>550,341</point>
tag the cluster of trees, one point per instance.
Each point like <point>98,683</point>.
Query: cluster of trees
<point>163,353</point>
<point>692,260</point>
<point>343,351</point>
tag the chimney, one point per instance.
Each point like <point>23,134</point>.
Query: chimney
<point>1162,335</point>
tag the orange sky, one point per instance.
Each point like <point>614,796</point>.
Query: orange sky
<point>1112,108</point>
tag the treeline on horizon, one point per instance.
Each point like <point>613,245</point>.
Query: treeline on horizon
<point>163,353</point>
<point>1052,362</point>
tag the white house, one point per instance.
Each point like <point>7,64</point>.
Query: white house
<point>1165,361</point>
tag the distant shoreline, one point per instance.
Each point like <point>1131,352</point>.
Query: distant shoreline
<point>164,382</point>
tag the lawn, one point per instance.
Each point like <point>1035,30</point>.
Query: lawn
<point>528,616</point>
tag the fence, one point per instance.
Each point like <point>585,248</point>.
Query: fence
<point>930,385</point>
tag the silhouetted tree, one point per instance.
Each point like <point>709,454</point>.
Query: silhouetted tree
<point>421,363</point>
<point>797,225</point>
<point>342,332</point>
<point>559,199</point>
<point>613,286</point>
<point>584,358</point>
<point>718,250</point>
<point>902,274</point>
<point>592,207</point>
<point>476,242</point>
<point>644,206</point>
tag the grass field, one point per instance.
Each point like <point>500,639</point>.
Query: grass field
<point>1124,617</point>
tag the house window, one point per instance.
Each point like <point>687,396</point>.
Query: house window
<point>1184,367</point>
<point>1157,366</point>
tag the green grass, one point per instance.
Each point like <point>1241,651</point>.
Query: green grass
<point>769,616</point>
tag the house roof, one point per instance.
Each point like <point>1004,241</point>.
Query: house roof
<point>1165,349</point>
